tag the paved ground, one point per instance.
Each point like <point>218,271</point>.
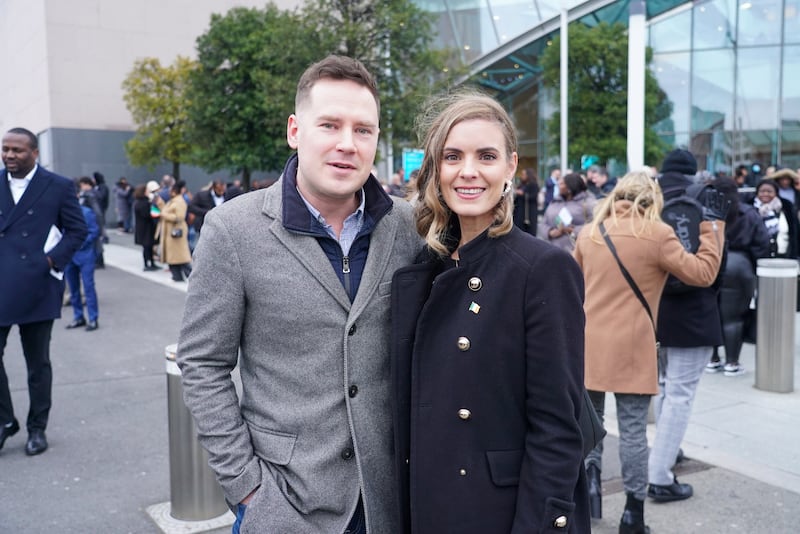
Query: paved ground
<point>108,458</point>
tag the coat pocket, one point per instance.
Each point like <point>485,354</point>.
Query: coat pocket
<point>272,446</point>
<point>504,466</point>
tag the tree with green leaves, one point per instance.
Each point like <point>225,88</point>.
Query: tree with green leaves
<point>155,95</point>
<point>598,95</point>
<point>243,89</point>
<point>393,40</point>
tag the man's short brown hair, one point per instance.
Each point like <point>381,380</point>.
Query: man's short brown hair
<point>336,67</point>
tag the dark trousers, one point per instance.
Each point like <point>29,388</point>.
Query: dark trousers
<point>36,348</point>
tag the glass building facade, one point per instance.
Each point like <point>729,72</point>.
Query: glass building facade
<point>730,68</point>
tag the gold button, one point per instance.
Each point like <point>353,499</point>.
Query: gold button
<point>464,414</point>
<point>463,343</point>
<point>560,522</point>
<point>475,283</point>
<point>462,472</point>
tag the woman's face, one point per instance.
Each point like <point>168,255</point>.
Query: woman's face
<point>563,190</point>
<point>766,193</point>
<point>474,169</point>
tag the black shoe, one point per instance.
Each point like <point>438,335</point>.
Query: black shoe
<point>674,492</point>
<point>77,323</point>
<point>92,326</point>
<point>6,431</point>
<point>37,442</point>
<point>151,268</point>
<point>632,521</point>
<point>595,491</point>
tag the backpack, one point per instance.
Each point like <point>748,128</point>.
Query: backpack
<point>684,214</point>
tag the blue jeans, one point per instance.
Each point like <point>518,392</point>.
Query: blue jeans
<point>75,274</point>
<point>358,524</point>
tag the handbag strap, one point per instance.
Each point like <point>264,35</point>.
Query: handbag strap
<point>626,274</point>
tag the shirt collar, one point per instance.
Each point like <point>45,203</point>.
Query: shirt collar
<point>318,216</point>
<point>27,178</point>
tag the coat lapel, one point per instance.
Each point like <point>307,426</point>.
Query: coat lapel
<point>6,200</point>
<point>35,189</point>
<point>305,248</point>
<point>381,246</point>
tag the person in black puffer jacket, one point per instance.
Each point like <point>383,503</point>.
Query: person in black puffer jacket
<point>747,240</point>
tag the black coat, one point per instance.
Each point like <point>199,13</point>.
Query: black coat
<point>689,318</point>
<point>145,228</point>
<point>201,204</point>
<point>513,461</point>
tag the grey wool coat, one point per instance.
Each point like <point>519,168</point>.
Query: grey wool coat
<point>301,436</point>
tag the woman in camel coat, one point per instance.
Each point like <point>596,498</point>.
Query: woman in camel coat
<point>174,249</point>
<point>620,340</point>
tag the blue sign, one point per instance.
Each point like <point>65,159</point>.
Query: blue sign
<point>412,160</point>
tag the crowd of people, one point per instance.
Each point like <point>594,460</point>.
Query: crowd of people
<point>413,366</point>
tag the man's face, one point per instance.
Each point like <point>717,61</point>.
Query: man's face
<point>219,189</point>
<point>18,156</point>
<point>335,132</point>
<point>83,186</point>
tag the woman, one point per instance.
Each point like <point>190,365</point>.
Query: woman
<point>620,337</point>
<point>526,201</point>
<point>488,346</point>
<point>747,241</point>
<point>145,227</point>
<point>778,216</point>
<point>174,232</point>
<point>565,216</point>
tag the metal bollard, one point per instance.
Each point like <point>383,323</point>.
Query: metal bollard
<point>777,300</point>
<point>195,494</point>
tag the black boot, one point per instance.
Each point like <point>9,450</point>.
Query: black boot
<point>595,491</point>
<point>177,273</point>
<point>632,521</point>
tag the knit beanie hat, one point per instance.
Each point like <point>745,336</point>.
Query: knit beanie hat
<point>680,161</point>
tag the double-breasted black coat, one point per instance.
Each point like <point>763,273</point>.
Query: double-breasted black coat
<point>488,376</point>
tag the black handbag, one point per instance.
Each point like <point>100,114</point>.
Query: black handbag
<point>176,232</point>
<point>591,426</point>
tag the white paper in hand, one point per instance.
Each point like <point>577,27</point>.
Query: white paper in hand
<point>53,238</point>
<point>564,217</point>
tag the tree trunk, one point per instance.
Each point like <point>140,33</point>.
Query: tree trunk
<point>176,170</point>
<point>245,179</point>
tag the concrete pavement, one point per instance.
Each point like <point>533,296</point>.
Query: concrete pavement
<point>108,458</point>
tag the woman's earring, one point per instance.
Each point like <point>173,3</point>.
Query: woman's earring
<point>507,188</point>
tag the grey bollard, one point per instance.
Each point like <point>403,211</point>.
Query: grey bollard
<point>777,299</point>
<point>195,494</point>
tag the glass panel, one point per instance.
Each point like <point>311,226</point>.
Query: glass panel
<point>756,146</point>
<point>790,110</point>
<point>524,107</point>
<point>712,90</point>
<point>714,24</point>
<point>672,73</point>
<point>672,34</point>
<point>514,17</point>
<point>791,22</point>
<point>790,149</point>
<point>758,72</point>
<point>656,7</point>
<point>759,22</point>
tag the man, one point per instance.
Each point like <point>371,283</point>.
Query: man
<point>298,278</point>
<point>205,200</point>
<point>551,187</point>
<point>35,206</point>
<point>598,182</point>
<point>689,327</point>
<point>80,268</point>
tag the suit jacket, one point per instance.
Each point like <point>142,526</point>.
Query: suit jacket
<point>314,427</point>
<point>512,462</point>
<point>28,293</point>
<point>201,203</point>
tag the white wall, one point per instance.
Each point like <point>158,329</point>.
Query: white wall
<point>64,61</point>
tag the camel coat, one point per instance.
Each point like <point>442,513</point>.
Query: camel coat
<point>174,250</point>
<point>620,342</point>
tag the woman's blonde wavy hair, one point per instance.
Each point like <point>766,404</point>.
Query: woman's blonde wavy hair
<point>646,199</point>
<point>434,219</point>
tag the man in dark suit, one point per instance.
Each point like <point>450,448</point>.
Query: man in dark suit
<point>41,227</point>
<point>206,200</point>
